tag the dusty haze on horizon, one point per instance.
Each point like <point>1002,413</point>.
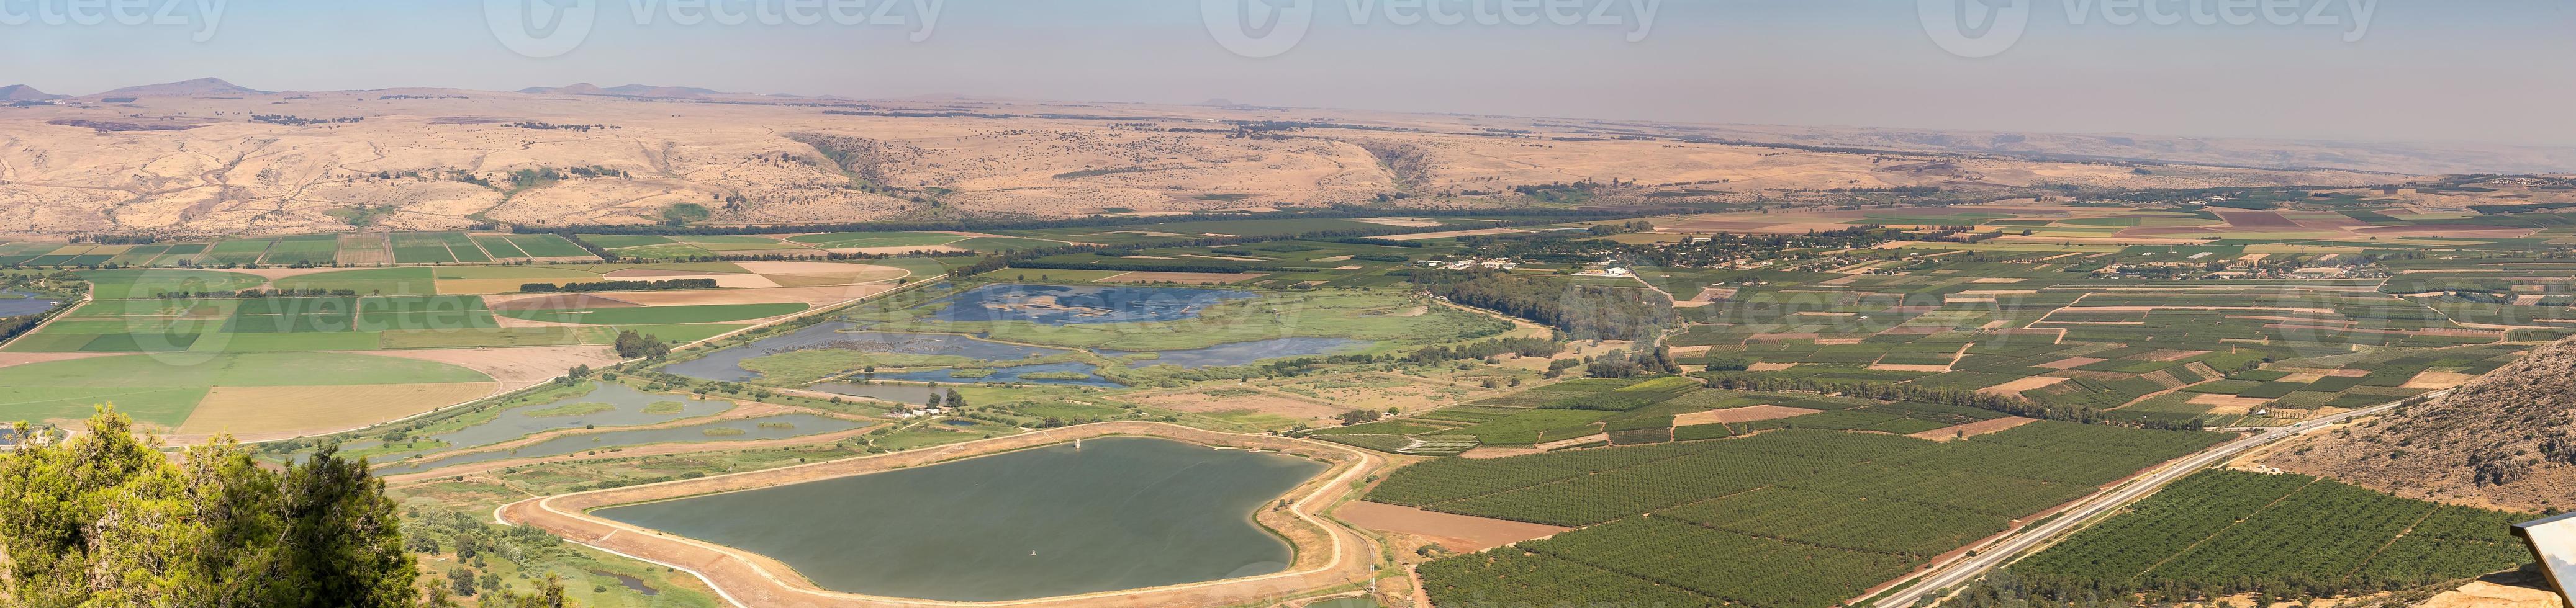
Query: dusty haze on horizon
<point>2494,71</point>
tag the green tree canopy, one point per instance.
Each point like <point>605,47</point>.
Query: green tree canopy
<point>107,519</point>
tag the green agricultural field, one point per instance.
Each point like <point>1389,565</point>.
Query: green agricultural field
<point>1537,426</point>
<point>741,239</point>
<point>547,246</point>
<point>842,240</point>
<point>238,252</point>
<point>453,273</point>
<point>2223,531</point>
<point>418,248</point>
<point>1785,518</point>
<point>164,389</point>
<point>670,251</point>
<point>997,244</point>
<point>500,247</point>
<point>308,250</point>
<point>616,241</point>
<point>376,281</point>
<point>140,255</point>
<point>124,284</point>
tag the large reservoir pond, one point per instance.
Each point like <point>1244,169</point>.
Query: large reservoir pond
<point>1116,513</point>
<point>14,303</point>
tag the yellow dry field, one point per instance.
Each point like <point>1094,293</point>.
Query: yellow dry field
<point>2438,380</point>
<point>285,411</point>
<point>514,367</point>
<point>2026,383</point>
<point>1267,403</point>
<point>813,274</point>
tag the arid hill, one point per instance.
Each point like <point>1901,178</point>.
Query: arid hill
<point>208,157</point>
<point>20,92</point>
<point>186,88</point>
<point>2505,440</point>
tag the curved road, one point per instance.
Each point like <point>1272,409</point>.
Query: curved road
<point>1963,569</point>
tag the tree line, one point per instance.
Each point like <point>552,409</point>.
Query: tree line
<point>1884,391</point>
<point>1585,312</point>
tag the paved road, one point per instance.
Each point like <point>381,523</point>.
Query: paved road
<point>1964,569</point>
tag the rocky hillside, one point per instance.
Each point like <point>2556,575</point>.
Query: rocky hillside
<point>2507,440</point>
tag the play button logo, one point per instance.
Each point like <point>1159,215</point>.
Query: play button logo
<point>1258,28</point>
<point>1975,28</point>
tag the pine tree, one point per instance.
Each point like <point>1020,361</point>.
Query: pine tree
<point>106,520</point>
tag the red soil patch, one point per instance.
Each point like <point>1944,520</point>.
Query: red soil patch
<point>1459,533</point>
<point>2257,219</point>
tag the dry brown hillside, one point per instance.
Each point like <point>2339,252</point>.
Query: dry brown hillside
<point>2505,440</point>
<point>209,158</point>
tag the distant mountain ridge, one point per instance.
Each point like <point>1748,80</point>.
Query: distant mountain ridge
<point>632,90</point>
<point>20,92</point>
<point>2394,159</point>
<point>202,87</point>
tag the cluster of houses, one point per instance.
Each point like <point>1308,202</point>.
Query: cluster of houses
<point>1488,264</point>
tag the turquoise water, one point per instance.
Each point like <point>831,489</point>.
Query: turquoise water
<point>797,425</point>
<point>1117,513</point>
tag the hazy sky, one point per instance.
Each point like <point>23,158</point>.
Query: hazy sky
<point>2465,70</point>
